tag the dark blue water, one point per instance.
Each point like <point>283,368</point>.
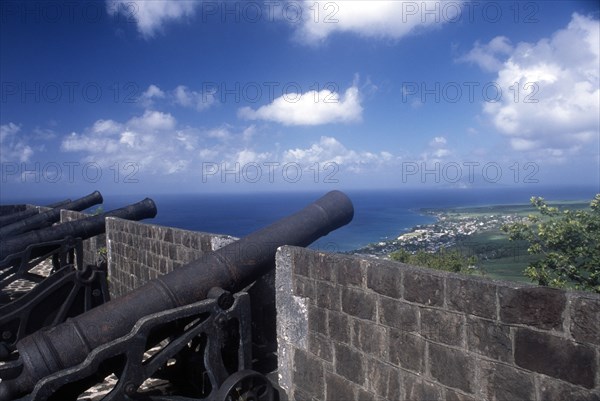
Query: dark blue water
<point>379,215</point>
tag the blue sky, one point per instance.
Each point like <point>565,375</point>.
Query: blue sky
<point>209,96</point>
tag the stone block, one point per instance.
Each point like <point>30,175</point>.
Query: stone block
<point>489,338</point>
<point>304,287</point>
<point>585,319</point>
<point>423,287</point>
<point>556,390</point>
<point>452,367</point>
<point>471,296</point>
<point>442,326</point>
<point>349,363</point>
<point>556,357</point>
<point>398,314</point>
<point>317,320</point>
<point>383,380</point>
<point>370,338</point>
<point>407,351</point>
<point>328,296</point>
<point>456,396</point>
<point>338,388</point>
<point>384,279</point>
<point>350,272</point>
<point>320,346</point>
<point>339,327</point>
<point>308,373</point>
<point>505,383</point>
<point>359,303</point>
<point>540,307</point>
<point>415,388</point>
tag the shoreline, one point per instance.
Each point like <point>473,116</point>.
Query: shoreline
<point>453,227</point>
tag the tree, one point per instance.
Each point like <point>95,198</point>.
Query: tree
<point>443,259</point>
<point>568,243</point>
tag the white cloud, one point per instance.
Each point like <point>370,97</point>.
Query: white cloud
<point>380,19</point>
<point>489,56</point>
<point>330,150</point>
<point>151,15</point>
<point>13,146</point>
<point>148,96</point>
<point>310,108</point>
<point>151,140</point>
<point>556,107</point>
<point>189,98</point>
<point>181,96</point>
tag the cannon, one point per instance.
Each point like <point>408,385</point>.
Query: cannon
<point>23,214</point>
<point>201,327</point>
<point>48,218</point>
<point>72,287</point>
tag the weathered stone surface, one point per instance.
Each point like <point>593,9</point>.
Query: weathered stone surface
<point>384,279</point>
<point>328,296</point>
<point>504,383</point>
<point>455,396</point>
<point>305,287</point>
<point>556,357</point>
<point>383,380</point>
<point>317,320</point>
<point>471,296</point>
<point>323,266</point>
<point>339,327</point>
<point>540,307</point>
<point>442,326</point>
<point>349,363</point>
<point>308,373</point>
<point>398,314</point>
<point>370,338</point>
<point>358,303</point>
<point>452,367</point>
<point>416,388</point>
<point>365,396</point>
<point>301,262</point>
<point>407,351</point>
<point>320,346</point>
<point>338,388</point>
<point>349,271</point>
<point>490,339</point>
<point>555,390</point>
<point>423,287</point>
<point>585,319</point>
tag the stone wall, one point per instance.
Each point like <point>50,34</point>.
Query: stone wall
<point>138,252</point>
<point>94,248</point>
<point>363,329</point>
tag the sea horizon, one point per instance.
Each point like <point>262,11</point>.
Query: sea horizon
<point>380,215</point>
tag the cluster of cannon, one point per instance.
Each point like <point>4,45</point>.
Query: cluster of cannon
<point>191,328</point>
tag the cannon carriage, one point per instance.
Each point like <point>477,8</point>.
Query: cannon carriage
<point>191,327</point>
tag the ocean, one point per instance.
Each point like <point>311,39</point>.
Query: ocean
<point>379,214</point>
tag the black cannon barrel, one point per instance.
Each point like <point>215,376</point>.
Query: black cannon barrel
<point>50,217</point>
<point>13,217</point>
<point>232,268</point>
<point>83,228</point>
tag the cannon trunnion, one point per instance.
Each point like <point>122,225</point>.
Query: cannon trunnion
<point>194,321</point>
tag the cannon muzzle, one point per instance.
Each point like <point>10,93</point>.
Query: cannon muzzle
<point>231,268</point>
<point>83,228</point>
<point>48,218</point>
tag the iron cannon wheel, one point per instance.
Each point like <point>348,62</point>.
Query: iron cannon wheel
<point>246,385</point>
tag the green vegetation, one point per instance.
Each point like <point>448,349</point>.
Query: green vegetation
<point>567,243</point>
<point>448,260</point>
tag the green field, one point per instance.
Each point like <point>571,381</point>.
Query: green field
<point>497,256</point>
